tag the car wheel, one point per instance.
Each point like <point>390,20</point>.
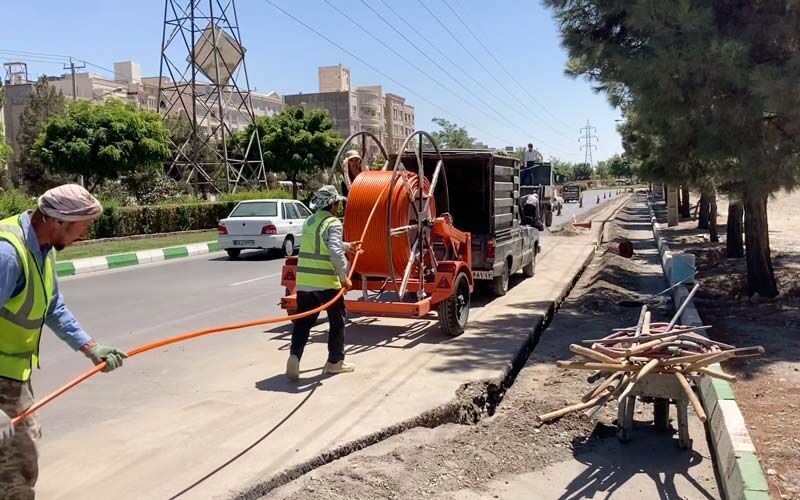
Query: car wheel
<point>530,269</point>
<point>288,247</point>
<point>500,283</point>
<point>233,253</point>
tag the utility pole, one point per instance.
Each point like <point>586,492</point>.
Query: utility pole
<point>587,138</point>
<point>72,69</point>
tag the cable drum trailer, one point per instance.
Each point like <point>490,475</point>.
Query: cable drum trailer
<point>415,260</point>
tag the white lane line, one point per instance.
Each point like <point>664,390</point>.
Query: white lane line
<point>255,279</point>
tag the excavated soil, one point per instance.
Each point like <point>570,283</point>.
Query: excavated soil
<point>767,386</point>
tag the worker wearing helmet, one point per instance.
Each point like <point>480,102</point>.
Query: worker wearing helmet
<point>321,273</point>
<point>30,299</point>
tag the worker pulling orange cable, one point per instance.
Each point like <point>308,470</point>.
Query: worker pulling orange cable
<point>202,332</point>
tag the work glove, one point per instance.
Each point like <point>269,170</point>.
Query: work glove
<point>113,357</point>
<point>6,429</point>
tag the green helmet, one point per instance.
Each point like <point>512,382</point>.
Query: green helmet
<point>325,197</point>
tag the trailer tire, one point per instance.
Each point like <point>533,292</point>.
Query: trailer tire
<point>454,312</point>
<point>500,283</point>
<point>548,218</point>
<point>530,268</point>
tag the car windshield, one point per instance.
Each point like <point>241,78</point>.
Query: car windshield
<point>256,209</point>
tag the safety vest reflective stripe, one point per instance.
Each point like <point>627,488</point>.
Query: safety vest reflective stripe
<point>314,267</point>
<point>23,315</point>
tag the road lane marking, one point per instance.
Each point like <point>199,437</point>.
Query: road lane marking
<point>255,279</point>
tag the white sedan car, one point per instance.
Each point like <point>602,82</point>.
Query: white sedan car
<point>263,225</point>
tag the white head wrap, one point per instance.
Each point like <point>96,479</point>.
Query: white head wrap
<point>69,202</point>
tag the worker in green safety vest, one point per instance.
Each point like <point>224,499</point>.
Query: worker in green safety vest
<point>30,299</point>
<point>321,273</point>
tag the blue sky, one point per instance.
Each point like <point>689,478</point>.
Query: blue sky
<point>283,56</point>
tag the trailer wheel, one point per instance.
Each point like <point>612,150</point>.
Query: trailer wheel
<point>454,312</point>
<point>500,283</point>
<point>548,218</point>
<point>530,268</point>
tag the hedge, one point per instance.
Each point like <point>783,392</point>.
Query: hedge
<point>120,220</point>
<point>130,221</point>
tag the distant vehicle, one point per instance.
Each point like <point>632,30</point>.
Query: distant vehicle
<point>571,193</point>
<point>538,178</point>
<point>263,225</point>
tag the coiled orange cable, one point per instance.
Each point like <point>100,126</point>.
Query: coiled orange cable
<point>367,221</point>
<point>374,262</point>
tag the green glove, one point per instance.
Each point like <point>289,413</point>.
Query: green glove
<point>113,357</point>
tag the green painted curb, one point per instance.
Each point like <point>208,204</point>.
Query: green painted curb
<point>214,246</point>
<point>65,268</point>
<point>122,260</point>
<point>175,252</point>
<point>752,477</point>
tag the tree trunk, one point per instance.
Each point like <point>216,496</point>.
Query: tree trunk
<point>760,275</point>
<point>735,228</point>
<point>294,189</point>
<point>685,205</point>
<point>704,211</point>
<point>712,216</point>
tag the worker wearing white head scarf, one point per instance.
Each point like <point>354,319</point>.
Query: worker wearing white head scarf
<point>30,299</point>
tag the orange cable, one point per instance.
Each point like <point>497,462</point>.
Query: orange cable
<point>206,331</point>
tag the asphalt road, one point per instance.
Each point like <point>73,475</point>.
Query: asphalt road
<point>200,392</point>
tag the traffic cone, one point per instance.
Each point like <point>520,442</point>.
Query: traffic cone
<point>580,202</point>
<point>604,196</point>
<point>598,199</point>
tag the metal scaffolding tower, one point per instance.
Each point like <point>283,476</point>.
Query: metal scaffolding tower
<point>203,82</point>
<point>587,137</point>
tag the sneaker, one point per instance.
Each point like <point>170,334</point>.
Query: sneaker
<point>293,368</point>
<point>340,367</point>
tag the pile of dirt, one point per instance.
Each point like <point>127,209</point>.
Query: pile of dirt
<point>767,387</point>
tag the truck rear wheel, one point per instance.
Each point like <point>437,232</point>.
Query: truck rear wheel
<point>454,312</point>
<point>548,218</point>
<point>500,283</point>
<point>530,268</point>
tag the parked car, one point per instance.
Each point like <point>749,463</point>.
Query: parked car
<point>263,225</point>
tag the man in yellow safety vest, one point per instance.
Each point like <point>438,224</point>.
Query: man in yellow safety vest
<point>321,273</point>
<point>30,299</point>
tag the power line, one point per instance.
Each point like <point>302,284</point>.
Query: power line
<point>502,66</point>
<point>502,120</point>
<point>383,74</point>
<point>490,73</point>
<point>450,75</point>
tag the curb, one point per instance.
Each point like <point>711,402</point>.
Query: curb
<point>740,472</point>
<point>95,264</point>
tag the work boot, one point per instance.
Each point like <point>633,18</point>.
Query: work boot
<point>293,368</point>
<point>340,367</point>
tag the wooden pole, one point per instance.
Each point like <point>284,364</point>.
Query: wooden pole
<point>698,408</point>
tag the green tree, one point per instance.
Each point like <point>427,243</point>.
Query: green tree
<point>451,136</point>
<point>298,142</point>
<point>564,168</point>
<point>102,141</point>
<point>45,104</point>
<point>714,82</point>
<point>582,172</point>
<point>619,166</point>
<point>601,170</point>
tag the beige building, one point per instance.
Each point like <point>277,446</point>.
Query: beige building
<point>334,78</point>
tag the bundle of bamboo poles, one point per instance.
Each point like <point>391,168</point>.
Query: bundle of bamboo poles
<point>628,355</point>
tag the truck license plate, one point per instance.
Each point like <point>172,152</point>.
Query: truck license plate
<point>243,243</point>
<point>482,275</point>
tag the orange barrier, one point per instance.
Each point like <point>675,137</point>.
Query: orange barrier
<point>206,331</point>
